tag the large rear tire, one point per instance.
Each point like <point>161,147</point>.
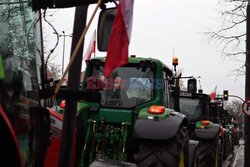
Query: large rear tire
<point>170,153</point>
<point>207,154</point>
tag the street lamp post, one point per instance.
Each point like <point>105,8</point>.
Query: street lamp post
<point>63,35</point>
<point>247,89</point>
<point>63,51</point>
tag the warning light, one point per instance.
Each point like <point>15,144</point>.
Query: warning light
<point>225,94</point>
<point>156,109</point>
<point>205,123</point>
<point>175,61</point>
<point>63,104</point>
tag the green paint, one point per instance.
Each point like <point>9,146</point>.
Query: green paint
<point>198,125</point>
<point>144,114</point>
<point>93,148</point>
<point>123,155</point>
<point>114,126</point>
<point>132,59</point>
<point>60,110</point>
<point>112,115</point>
<point>83,111</point>
<point>86,141</point>
<point>111,140</point>
<point>227,126</point>
<point>98,137</point>
<point>1,68</point>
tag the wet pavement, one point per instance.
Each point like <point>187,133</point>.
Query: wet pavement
<point>236,159</point>
<point>239,155</point>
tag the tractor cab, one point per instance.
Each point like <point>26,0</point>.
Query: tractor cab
<point>127,86</point>
<point>137,83</point>
<point>194,105</point>
<point>24,123</point>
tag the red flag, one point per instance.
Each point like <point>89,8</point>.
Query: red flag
<point>120,36</point>
<point>213,94</point>
<point>91,47</point>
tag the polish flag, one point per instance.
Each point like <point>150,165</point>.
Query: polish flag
<point>120,37</point>
<point>91,47</point>
<point>213,94</point>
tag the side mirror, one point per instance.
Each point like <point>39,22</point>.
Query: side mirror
<point>192,86</point>
<point>105,23</point>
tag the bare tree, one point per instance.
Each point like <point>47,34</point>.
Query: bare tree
<point>53,71</point>
<point>50,40</point>
<point>230,35</point>
<point>234,108</point>
<point>50,34</point>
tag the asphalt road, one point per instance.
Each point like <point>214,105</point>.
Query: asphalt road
<point>237,158</point>
<point>239,155</point>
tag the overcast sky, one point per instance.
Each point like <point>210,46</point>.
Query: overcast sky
<point>160,28</point>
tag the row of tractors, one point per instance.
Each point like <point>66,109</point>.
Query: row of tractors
<point>201,107</point>
<point>138,116</point>
<point>200,133</point>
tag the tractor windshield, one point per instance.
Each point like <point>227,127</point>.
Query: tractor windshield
<point>17,47</point>
<point>126,87</point>
<point>19,59</point>
<point>192,108</point>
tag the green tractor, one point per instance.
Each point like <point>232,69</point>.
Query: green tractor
<point>205,136</point>
<point>134,120</point>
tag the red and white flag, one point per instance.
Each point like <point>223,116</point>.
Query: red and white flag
<point>213,94</point>
<point>120,37</point>
<point>91,47</point>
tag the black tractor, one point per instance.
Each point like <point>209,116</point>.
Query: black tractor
<point>205,144</point>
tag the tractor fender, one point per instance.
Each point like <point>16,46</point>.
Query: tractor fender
<point>159,129</point>
<point>208,133</point>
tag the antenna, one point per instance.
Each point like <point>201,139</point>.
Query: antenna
<point>173,53</point>
<point>172,59</point>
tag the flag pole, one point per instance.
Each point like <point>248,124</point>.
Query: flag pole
<point>94,41</point>
<point>76,50</point>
